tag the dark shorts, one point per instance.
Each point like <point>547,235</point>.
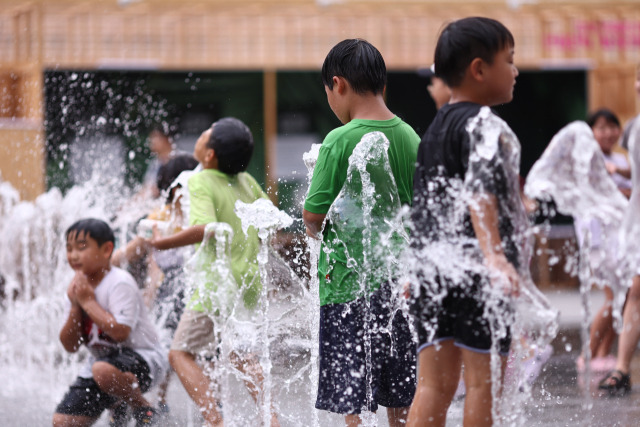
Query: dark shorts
<point>462,316</point>
<point>85,398</point>
<point>347,383</point>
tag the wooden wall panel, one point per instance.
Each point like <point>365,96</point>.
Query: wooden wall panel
<point>613,87</point>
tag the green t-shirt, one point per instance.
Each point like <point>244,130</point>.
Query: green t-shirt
<point>338,283</point>
<point>213,195</point>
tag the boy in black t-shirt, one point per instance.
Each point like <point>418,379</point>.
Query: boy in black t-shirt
<point>458,215</point>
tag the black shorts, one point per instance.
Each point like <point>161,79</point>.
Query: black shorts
<point>85,398</point>
<point>347,383</point>
<point>462,316</point>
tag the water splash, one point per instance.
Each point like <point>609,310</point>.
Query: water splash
<point>572,173</point>
<point>629,235</point>
<point>364,221</point>
<point>364,218</point>
<point>310,159</point>
<point>276,333</point>
<point>36,275</point>
<point>495,149</point>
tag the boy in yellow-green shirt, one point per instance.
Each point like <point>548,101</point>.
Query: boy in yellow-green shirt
<point>224,151</point>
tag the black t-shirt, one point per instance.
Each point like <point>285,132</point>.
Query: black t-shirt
<point>441,205</point>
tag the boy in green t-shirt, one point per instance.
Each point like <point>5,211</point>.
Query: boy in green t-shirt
<point>354,76</point>
<point>224,152</point>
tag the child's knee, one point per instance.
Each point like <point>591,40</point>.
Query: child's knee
<point>64,420</point>
<point>104,372</point>
<point>59,420</point>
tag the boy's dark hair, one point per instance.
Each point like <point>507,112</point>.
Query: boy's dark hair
<point>605,113</point>
<point>174,167</point>
<point>97,229</point>
<point>359,63</point>
<point>233,144</point>
<point>466,39</point>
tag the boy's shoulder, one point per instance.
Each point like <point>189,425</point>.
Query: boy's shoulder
<point>450,121</point>
<point>205,179</point>
<point>118,276</point>
<point>198,176</point>
<point>457,114</point>
<point>356,128</point>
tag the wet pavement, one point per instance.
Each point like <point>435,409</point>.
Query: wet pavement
<point>558,398</point>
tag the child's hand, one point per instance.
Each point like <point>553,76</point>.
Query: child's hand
<point>155,236</point>
<point>71,291</point>
<point>406,290</point>
<point>83,290</point>
<point>313,236</point>
<point>503,275</point>
<point>611,167</point>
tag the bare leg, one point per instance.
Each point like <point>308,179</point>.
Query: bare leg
<point>63,420</point>
<point>602,333</point>
<point>352,420</point>
<point>477,379</point>
<point>250,366</point>
<point>630,328</point>
<point>124,385</point>
<point>162,389</point>
<point>397,417</point>
<point>438,377</point>
<point>196,383</point>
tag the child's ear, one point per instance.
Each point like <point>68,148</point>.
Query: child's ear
<point>209,155</point>
<point>340,84</point>
<point>108,247</point>
<point>476,69</point>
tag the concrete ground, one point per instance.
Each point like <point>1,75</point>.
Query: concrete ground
<point>559,396</point>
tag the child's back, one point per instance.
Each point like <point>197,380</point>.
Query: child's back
<point>337,283</point>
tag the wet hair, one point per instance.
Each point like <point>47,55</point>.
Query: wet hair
<point>359,63</point>
<point>463,41</point>
<point>97,229</point>
<point>174,167</point>
<point>608,115</point>
<point>233,143</point>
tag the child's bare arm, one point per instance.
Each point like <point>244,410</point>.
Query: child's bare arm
<point>135,249</point>
<point>313,223</point>
<point>101,317</point>
<point>71,332</point>
<point>484,218</point>
<point>188,236</point>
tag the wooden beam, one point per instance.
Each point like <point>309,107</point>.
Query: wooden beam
<point>270,107</point>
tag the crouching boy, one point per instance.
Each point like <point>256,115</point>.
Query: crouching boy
<point>106,313</point>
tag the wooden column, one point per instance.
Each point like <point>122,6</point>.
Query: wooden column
<point>8,98</point>
<point>270,108</point>
<point>22,140</point>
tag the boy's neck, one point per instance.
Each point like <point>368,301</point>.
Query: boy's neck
<point>95,278</point>
<point>211,164</point>
<point>369,107</point>
<point>469,94</point>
